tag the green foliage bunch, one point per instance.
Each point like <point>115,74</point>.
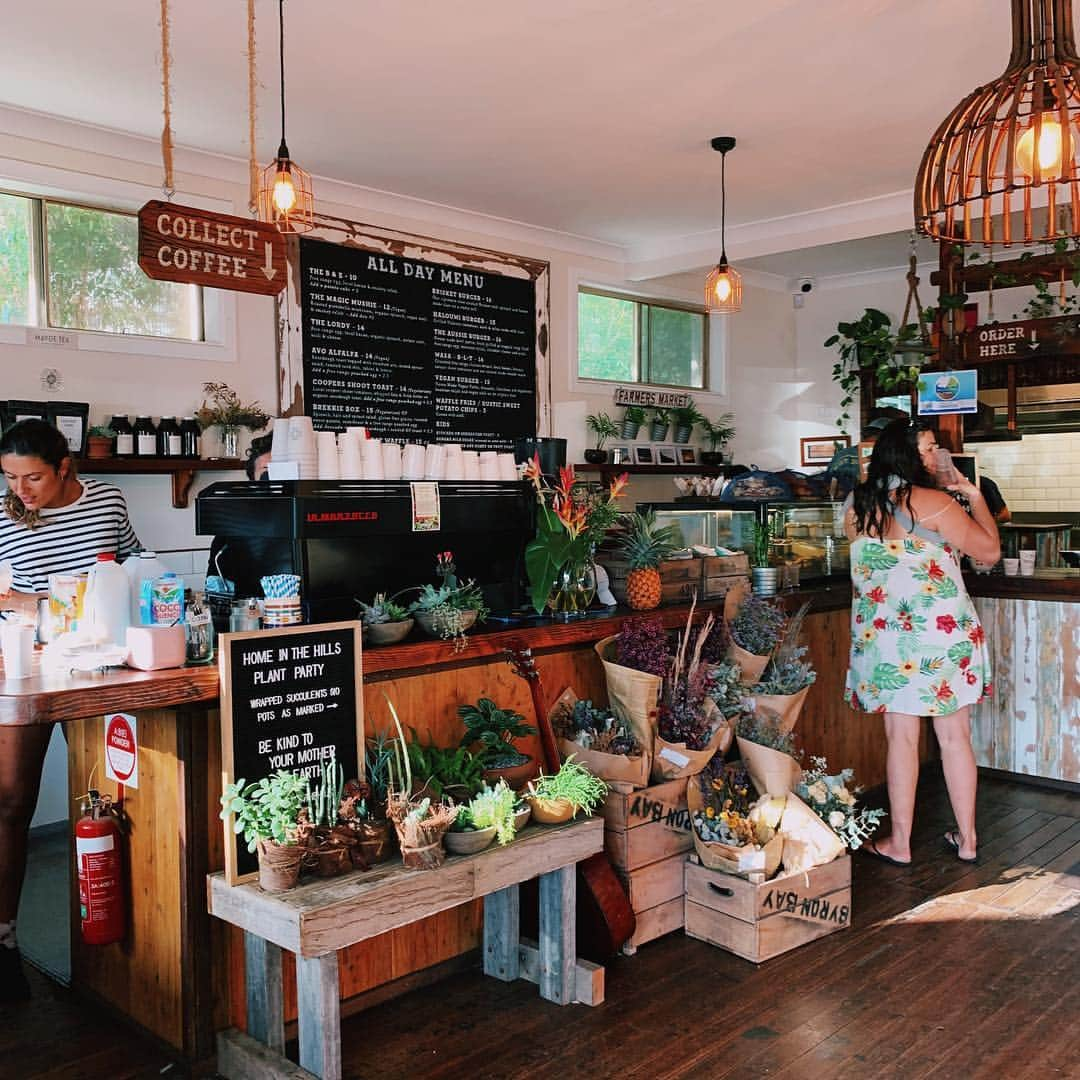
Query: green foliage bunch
<point>832,799</point>
<point>602,426</point>
<point>322,800</point>
<point>267,809</point>
<point>572,782</point>
<point>720,431</point>
<point>455,774</point>
<point>495,730</point>
<point>102,431</point>
<point>224,409</point>
<point>686,416</point>
<point>381,610</point>
<point>492,807</point>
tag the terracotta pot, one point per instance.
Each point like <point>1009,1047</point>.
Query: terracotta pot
<point>279,865</point>
<point>389,633</point>
<point>331,860</point>
<point>516,776</point>
<point>98,447</point>
<point>375,843</point>
<point>551,811</point>
<point>521,818</point>
<point>470,841</point>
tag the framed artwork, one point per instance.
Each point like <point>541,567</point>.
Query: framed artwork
<point>667,455</point>
<point>622,455</point>
<point>687,455</point>
<point>819,449</point>
<point>643,455</point>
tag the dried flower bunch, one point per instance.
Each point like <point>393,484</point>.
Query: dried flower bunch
<point>725,687</point>
<point>787,672</point>
<point>683,717</point>
<point>642,644</point>
<point>758,627</point>
<point>724,814</point>
<point>762,727</point>
<point>224,409</point>
<point>833,800</point>
<point>595,729</point>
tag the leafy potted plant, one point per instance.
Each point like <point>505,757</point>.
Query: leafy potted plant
<point>327,849</point>
<point>719,433</point>
<point>555,799</point>
<point>489,815</point>
<point>603,427</point>
<point>100,440</point>
<point>384,622</point>
<point>495,730</point>
<point>763,573</point>
<point>755,631</point>
<point>685,417</point>
<point>659,422</point>
<point>225,410</point>
<point>445,774</point>
<point>644,545</point>
<point>267,813</point>
<point>633,418</point>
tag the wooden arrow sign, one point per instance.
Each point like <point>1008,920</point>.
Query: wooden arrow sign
<point>200,247</point>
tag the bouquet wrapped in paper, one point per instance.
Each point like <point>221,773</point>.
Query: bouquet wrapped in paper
<point>635,661</point>
<point>600,740</point>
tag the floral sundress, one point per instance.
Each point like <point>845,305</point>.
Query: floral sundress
<point>917,646</point>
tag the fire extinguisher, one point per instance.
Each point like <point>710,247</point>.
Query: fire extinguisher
<point>101,882</point>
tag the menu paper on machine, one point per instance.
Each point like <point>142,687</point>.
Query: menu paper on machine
<point>417,351</point>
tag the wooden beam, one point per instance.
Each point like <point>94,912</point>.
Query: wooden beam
<point>975,277</point>
<point>318,1007</point>
<point>240,1057</point>
<point>588,977</point>
<point>262,979</point>
<point>558,935</point>
<point>502,923</point>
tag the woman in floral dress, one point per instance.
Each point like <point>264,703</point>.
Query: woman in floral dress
<point>917,647</point>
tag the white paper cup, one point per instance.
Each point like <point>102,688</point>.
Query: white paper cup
<point>433,462</point>
<point>1027,562</point>
<point>279,441</point>
<point>17,643</point>
<point>391,461</point>
<point>507,467</point>
<point>471,462</point>
<point>412,462</point>
<point>1012,567</point>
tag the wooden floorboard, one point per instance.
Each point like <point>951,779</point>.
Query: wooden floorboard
<point>950,970</point>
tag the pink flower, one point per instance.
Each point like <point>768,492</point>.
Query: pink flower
<point>880,624</point>
<point>946,623</point>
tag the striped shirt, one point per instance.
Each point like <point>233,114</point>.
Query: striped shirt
<point>69,539</point>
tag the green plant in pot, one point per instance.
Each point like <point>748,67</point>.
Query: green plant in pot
<point>384,622</point>
<point>632,419</point>
<point>100,441</point>
<point>442,773</point>
<point>558,798</point>
<point>494,730</point>
<point>488,816</point>
<point>603,428</point>
<point>659,422</point>
<point>718,433</point>
<point>685,419</point>
<point>267,813</point>
<point>225,410</point>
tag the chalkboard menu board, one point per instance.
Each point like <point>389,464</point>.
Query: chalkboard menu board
<point>417,351</point>
<point>290,699</point>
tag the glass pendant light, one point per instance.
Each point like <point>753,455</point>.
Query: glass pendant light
<point>723,287</point>
<point>285,197</point>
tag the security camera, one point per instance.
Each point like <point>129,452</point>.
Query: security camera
<point>806,285</point>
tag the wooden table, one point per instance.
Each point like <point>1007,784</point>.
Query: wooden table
<point>315,920</point>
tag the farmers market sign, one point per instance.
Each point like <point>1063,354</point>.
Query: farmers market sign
<point>662,399</point>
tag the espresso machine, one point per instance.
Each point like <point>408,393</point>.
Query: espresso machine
<point>349,539</point>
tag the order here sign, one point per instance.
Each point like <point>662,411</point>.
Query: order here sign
<point>220,251</point>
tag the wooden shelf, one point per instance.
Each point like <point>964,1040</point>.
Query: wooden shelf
<point>651,470</point>
<point>182,470</point>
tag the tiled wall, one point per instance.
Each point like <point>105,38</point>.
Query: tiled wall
<point>1040,472</point>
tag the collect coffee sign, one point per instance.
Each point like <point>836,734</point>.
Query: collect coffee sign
<point>220,251</point>
<point>290,699</point>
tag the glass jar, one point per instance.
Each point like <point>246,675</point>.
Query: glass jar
<point>200,631</point>
<point>125,437</point>
<point>145,437</point>
<point>574,590</point>
<point>190,438</point>
<point>168,438</point>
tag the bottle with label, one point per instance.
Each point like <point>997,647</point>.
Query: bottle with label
<point>167,600</point>
<point>200,631</point>
<point>106,603</point>
<point>190,438</point>
<point>169,440</point>
<point>125,437</point>
<point>142,569</point>
<point>145,437</point>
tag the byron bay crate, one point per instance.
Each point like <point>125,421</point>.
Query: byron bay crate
<point>758,921</point>
<point>679,578</point>
<point>716,588</point>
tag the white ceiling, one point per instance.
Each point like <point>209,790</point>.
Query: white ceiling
<point>588,117</point>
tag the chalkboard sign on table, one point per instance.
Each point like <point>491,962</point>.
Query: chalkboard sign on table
<point>289,698</point>
<point>417,350</point>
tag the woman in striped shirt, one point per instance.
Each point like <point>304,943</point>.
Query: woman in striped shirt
<point>52,523</point>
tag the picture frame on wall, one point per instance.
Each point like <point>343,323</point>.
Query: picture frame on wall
<point>643,455</point>
<point>667,455</point>
<point>622,455</point>
<point>819,449</point>
<point>687,455</point>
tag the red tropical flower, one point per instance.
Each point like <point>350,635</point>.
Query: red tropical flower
<point>880,624</point>
<point>943,691</point>
<point>946,623</point>
<point>976,634</point>
<point>964,662</point>
<point>970,676</point>
<point>934,572</point>
<point>877,594</point>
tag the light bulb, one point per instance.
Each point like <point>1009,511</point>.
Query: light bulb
<point>722,288</point>
<point>284,191</point>
<point>1049,148</point>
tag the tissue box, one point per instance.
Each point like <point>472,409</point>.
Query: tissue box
<point>151,648</point>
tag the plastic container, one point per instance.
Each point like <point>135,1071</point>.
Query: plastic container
<point>167,600</point>
<point>108,605</point>
<point>145,437</point>
<point>141,570</point>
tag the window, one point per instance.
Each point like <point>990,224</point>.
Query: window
<point>75,267</point>
<point>625,340</point>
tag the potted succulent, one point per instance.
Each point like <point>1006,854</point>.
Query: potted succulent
<point>225,410</point>
<point>659,422</point>
<point>362,810</point>
<point>719,433</point>
<point>685,418</point>
<point>644,545</point>
<point>326,847</point>
<point>384,622</point>
<point>495,730</point>
<point>756,630</point>
<point>267,813</point>
<point>448,611</point>
<point>100,440</point>
<point>603,427</point>
<point>555,799</point>
<point>488,816</point>
<point>633,418</point>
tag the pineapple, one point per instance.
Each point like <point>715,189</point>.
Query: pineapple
<point>644,545</point>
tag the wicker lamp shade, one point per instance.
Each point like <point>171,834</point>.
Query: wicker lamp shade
<point>723,289</point>
<point>1011,146</point>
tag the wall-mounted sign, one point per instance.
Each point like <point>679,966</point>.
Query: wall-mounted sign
<point>662,399</point>
<point>121,749</point>
<point>200,247</point>
<point>942,392</point>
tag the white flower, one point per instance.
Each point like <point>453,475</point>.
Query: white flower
<point>836,819</point>
<point>845,797</point>
<point>818,792</point>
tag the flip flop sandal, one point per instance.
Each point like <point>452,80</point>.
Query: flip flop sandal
<point>871,849</point>
<point>952,844</point>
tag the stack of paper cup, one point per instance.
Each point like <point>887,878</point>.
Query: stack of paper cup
<point>433,462</point>
<point>391,461</point>
<point>507,467</point>
<point>453,464</point>
<point>489,465</point>
<point>412,462</point>
<point>358,433</point>
<point>371,451</point>
<point>471,460</point>
<point>350,462</point>
<point>326,443</point>
<point>279,441</point>
<point>302,447</point>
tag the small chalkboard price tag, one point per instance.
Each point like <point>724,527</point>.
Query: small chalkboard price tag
<point>290,699</point>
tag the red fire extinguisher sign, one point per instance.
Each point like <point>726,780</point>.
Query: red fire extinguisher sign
<point>101,882</point>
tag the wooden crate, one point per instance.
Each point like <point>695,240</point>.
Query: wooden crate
<point>760,921</point>
<point>716,588</point>
<point>679,578</point>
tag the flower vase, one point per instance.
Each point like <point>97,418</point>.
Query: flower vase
<point>230,442</point>
<point>574,590</point>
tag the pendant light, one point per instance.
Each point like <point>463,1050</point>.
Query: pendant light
<point>285,197</point>
<point>1012,145</point>
<point>723,287</point>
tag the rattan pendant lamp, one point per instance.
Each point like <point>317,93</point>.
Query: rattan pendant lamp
<point>1011,146</point>
<point>723,287</point>
<point>285,197</point>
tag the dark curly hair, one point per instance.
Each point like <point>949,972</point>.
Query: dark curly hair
<point>32,438</point>
<point>896,454</point>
